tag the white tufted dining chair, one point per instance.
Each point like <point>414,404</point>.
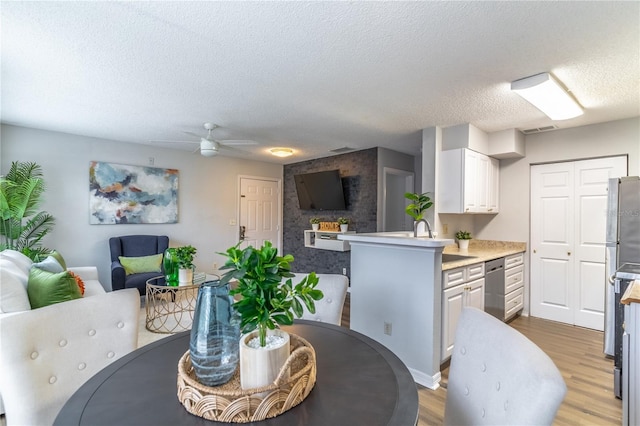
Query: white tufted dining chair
<point>499,377</point>
<point>329,308</point>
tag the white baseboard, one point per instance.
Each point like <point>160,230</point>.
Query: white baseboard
<point>431,382</point>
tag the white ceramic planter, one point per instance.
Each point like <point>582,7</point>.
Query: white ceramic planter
<point>315,226</point>
<point>185,276</point>
<point>463,244</point>
<point>260,367</point>
<point>344,228</point>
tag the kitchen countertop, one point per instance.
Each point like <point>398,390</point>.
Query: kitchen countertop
<point>632,295</point>
<point>482,251</point>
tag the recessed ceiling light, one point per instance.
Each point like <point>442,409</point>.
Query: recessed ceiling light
<point>281,152</point>
<point>547,94</point>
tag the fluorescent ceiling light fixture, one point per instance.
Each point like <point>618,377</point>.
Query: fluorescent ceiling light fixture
<point>281,152</point>
<point>547,94</point>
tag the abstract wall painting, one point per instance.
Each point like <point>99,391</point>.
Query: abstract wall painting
<point>122,194</point>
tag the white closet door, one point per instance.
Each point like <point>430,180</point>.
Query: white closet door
<point>568,216</point>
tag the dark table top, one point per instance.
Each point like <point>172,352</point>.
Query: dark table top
<point>359,382</point>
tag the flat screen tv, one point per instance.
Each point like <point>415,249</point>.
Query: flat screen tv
<point>320,191</point>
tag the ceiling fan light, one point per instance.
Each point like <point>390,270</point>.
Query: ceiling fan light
<point>208,152</point>
<point>281,152</point>
<point>545,93</point>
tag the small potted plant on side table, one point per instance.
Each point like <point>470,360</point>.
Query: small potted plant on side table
<point>185,257</point>
<point>315,223</point>
<point>463,238</point>
<point>344,224</point>
<point>266,302</point>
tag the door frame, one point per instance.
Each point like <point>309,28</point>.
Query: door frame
<point>409,184</point>
<point>278,181</point>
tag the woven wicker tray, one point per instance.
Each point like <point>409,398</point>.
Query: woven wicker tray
<point>230,403</point>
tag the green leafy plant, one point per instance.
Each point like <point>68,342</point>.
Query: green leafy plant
<point>419,204</point>
<point>463,235</point>
<point>22,226</point>
<point>314,220</point>
<point>343,220</point>
<point>185,256</point>
<point>267,300</point>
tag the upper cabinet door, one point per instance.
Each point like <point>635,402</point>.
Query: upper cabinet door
<point>468,182</point>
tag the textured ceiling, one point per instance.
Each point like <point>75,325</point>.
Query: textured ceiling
<point>312,76</point>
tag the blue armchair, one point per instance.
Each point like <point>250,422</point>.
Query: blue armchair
<point>134,246</point>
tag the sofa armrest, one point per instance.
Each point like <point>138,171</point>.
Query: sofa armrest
<point>117,275</point>
<point>48,353</point>
<point>87,273</point>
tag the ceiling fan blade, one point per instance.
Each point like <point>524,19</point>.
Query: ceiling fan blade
<point>239,142</point>
<point>193,134</point>
<point>170,141</point>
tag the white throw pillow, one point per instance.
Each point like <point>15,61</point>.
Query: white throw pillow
<point>13,288</point>
<point>50,264</point>
<point>19,259</point>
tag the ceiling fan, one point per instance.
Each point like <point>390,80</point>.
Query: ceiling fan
<point>209,147</point>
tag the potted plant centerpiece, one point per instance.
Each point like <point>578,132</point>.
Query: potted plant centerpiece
<point>266,302</point>
<point>185,257</point>
<point>463,238</point>
<point>315,223</point>
<point>344,224</point>
<point>420,203</point>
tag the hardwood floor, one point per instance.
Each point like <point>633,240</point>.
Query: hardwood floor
<point>576,351</point>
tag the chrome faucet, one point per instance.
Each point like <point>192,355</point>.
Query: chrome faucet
<point>415,227</point>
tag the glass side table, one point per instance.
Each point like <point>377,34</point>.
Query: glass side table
<point>169,309</point>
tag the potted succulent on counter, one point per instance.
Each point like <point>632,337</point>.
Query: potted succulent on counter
<point>463,238</point>
<point>344,224</point>
<point>266,302</point>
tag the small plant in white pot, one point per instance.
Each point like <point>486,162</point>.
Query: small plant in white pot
<point>344,224</point>
<point>463,238</point>
<point>420,203</point>
<point>315,223</point>
<point>185,257</point>
<point>266,302</point>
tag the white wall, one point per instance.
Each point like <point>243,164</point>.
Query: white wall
<point>208,194</point>
<point>598,140</point>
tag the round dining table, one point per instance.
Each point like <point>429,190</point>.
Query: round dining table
<point>359,382</point>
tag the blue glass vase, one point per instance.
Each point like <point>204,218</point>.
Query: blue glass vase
<point>170,265</point>
<point>215,335</point>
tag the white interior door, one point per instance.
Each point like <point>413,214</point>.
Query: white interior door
<point>260,213</point>
<point>568,217</point>
<point>395,184</point>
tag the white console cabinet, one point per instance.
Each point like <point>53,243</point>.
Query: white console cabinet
<point>469,182</point>
<point>326,240</point>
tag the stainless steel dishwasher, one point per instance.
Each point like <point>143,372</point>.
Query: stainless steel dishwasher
<point>494,288</point>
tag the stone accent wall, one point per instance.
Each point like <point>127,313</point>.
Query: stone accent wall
<point>359,174</point>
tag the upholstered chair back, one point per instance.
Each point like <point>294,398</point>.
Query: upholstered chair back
<point>499,377</point>
<point>329,309</point>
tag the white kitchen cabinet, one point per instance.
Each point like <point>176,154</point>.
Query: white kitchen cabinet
<point>469,182</point>
<point>513,284</point>
<point>462,287</point>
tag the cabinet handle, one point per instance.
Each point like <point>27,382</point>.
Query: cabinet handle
<point>568,253</point>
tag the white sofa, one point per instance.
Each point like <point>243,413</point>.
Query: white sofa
<point>46,354</point>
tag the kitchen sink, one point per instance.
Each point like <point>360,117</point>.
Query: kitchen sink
<point>455,257</point>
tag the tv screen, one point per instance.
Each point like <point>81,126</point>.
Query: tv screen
<point>320,191</point>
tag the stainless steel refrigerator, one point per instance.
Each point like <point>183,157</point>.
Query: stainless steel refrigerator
<point>622,247</point>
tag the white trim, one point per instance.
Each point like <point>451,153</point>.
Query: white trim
<point>431,382</point>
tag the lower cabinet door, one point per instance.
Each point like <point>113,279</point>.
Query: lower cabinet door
<point>452,303</point>
<point>475,294</point>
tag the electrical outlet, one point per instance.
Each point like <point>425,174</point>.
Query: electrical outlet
<point>387,328</point>
<point>445,228</point>
<point>344,271</point>
<point>152,160</point>
<point>232,222</point>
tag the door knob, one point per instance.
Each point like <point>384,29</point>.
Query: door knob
<point>243,229</point>
<point>568,253</point>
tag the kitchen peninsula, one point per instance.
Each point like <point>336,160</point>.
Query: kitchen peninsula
<point>396,297</point>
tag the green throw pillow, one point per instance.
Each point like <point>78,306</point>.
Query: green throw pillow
<point>57,256</point>
<point>137,265</point>
<point>46,288</point>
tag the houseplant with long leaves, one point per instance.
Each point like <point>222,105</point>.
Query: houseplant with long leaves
<point>22,226</point>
